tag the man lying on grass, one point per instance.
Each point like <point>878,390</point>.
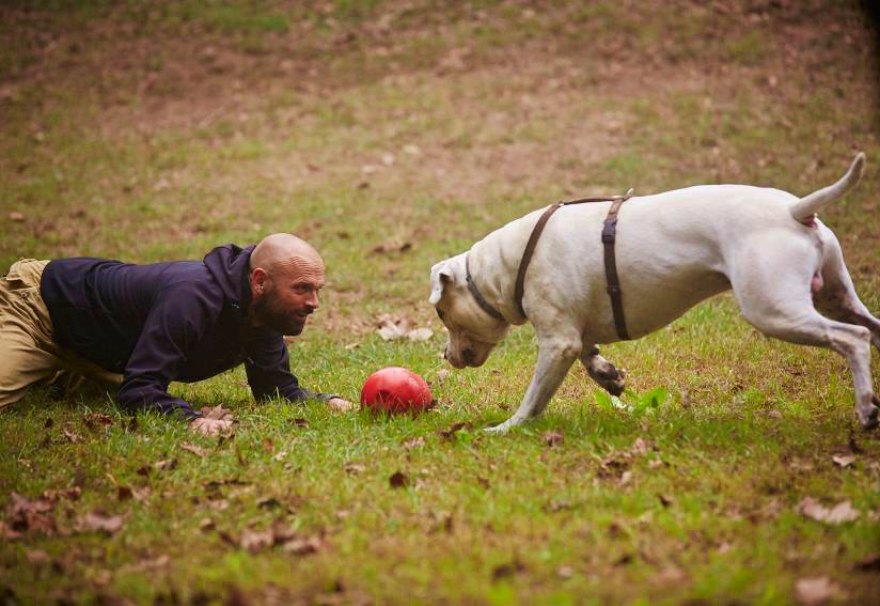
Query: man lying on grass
<point>143,326</point>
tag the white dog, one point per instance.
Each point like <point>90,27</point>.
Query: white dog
<point>672,250</point>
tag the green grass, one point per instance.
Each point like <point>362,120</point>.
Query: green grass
<point>155,131</point>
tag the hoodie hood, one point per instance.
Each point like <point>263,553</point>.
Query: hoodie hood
<point>230,265</point>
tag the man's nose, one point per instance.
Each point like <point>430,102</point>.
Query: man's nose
<point>312,301</point>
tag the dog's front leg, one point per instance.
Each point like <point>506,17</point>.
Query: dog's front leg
<point>603,372</point>
<point>555,357</point>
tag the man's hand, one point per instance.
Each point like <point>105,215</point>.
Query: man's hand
<point>214,420</point>
<point>340,405</point>
<point>210,427</point>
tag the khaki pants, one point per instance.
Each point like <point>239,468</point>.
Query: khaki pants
<point>28,354</point>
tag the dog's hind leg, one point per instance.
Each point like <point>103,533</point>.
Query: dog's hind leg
<point>835,296</point>
<point>556,354</point>
<point>603,372</point>
<point>775,297</point>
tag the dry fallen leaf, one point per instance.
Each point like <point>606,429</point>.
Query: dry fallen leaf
<point>217,412</point>
<point>843,460</point>
<point>669,575</point>
<point>839,514</point>
<point>399,480</point>
<point>165,465</point>
<point>870,562</point>
<point>24,515</point>
<point>97,420</point>
<point>354,467</point>
<point>456,427</point>
<point>72,436</point>
<point>98,521</point>
<point>553,438</point>
<point>16,216</point>
<point>815,590</point>
<point>256,541</point>
<point>416,442</point>
<point>196,450</point>
<point>639,447</point>
<point>304,546</point>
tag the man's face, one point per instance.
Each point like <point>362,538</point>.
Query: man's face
<point>284,298</point>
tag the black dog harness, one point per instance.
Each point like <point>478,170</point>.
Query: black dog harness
<point>609,233</point>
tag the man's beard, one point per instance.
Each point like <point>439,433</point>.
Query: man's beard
<point>268,313</point>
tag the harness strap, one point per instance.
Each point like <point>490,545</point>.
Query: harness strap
<point>609,230</point>
<point>609,235</point>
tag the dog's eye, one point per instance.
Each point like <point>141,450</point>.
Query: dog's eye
<point>440,314</point>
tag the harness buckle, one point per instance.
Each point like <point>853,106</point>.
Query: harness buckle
<point>608,231</point>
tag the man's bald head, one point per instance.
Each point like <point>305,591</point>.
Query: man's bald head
<point>286,275</point>
<point>283,250</point>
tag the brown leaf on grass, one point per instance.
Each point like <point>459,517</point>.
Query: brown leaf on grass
<point>441,522</point>
<point>300,422</point>
<point>72,436</point>
<point>639,447</point>
<point>839,514</point>
<point>553,438</point>
<point>303,546</point>
<point>565,572</point>
<point>416,442</point>
<point>98,521</point>
<point>399,479</point>
<point>448,433</point>
<point>815,590</point>
<point>9,533</point>
<point>217,412</point>
<point>278,535</point>
<point>665,500</point>
<point>507,570</point>
<point>24,515</point>
<point>146,564</point>
<point>72,493</point>
<point>256,541</point>
<point>17,216</point>
<point>391,328</point>
<point>37,558</point>
<point>354,467</point>
<point>843,461</point>
<point>669,576</point>
<point>165,465</point>
<point>196,450</point>
<point>391,247</point>
<point>869,563</point>
<point>96,420</point>
<point>124,493</point>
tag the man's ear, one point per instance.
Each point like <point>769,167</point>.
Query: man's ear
<point>258,279</point>
<point>441,275</point>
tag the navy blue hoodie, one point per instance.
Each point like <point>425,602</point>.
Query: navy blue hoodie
<point>178,321</point>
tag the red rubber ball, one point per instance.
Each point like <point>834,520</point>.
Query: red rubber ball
<point>394,390</point>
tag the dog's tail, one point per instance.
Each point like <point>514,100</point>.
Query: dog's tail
<point>807,206</point>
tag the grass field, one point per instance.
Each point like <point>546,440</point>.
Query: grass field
<point>392,134</point>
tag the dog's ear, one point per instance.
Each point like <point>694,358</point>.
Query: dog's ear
<point>441,275</point>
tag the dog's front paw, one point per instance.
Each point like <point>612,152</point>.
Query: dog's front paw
<point>611,379</point>
<point>869,415</point>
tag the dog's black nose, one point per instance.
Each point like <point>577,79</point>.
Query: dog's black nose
<point>468,356</point>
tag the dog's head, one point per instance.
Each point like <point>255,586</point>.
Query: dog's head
<point>473,333</point>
